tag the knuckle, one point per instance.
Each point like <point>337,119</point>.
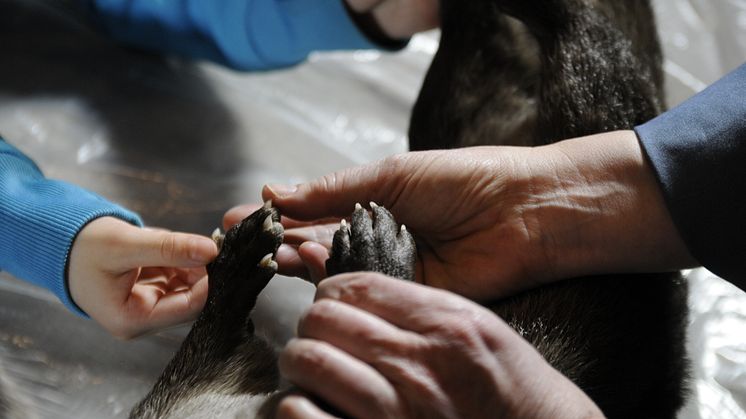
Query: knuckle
<point>462,326</point>
<point>356,289</point>
<point>328,183</point>
<point>414,377</point>
<point>316,316</point>
<point>483,319</point>
<point>347,287</point>
<point>360,288</point>
<point>307,358</point>
<point>168,246</point>
<point>396,368</point>
<point>461,334</point>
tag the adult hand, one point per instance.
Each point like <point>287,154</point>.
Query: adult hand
<point>376,347</point>
<point>132,280</point>
<point>305,243</point>
<point>491,221</point>
<point>400,19</point>
<point>453,201</point>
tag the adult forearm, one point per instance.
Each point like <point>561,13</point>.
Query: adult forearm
<point>599,209</point>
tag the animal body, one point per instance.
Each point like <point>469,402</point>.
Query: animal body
<point>526,72</point>
<point>537,71</point>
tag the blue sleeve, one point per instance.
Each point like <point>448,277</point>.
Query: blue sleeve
<point>698,151</point>
<point>243,34</point>
<point>40,218</point>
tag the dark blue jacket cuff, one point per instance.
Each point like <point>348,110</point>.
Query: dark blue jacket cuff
<point>698,151</point>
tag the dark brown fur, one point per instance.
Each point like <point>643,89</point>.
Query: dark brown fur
<point>222,355</point>
<point>222,362</point>
<point>531,73</point>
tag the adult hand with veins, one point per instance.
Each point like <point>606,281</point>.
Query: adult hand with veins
<point>493,221</point>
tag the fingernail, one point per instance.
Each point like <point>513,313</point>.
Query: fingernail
<point>202,250</point>
<point>280,191</point>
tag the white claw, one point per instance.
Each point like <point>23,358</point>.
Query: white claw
<point>218,237</point>
<point>403,228</point>
<point>343,224</point>
<point>267,261</point>
<point>358,206</point>
<point>268,204</point>
<point>267,225</point>
<point>373,205</point>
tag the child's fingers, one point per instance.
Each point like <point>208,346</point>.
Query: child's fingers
<point>144,247</point>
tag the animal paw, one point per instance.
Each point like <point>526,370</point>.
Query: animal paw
<point>246,261</point>
<point>372,242</point>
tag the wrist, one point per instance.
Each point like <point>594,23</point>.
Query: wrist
<point>367,22</point>
<point>601,210</point>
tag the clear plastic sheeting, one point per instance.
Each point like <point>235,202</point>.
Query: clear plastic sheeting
<point>717,348</point>
<point>181,142</point>
<point>702,41</point>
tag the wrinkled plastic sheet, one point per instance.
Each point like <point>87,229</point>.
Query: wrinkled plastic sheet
<point>703,40</point>
<point>181,142</point>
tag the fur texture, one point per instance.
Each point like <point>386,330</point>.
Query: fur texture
<point>221,356</point>
<point>532,72</point>
<point>222,368</point>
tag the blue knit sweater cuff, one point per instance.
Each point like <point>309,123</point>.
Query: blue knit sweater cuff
<point>243,34</point>
<point>39,220</point>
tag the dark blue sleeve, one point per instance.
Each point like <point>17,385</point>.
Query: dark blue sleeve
<point>243,34</point>
<point>698,151</point>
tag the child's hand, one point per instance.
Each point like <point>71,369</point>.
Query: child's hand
<point>132,280</point>
<point>400,19</point>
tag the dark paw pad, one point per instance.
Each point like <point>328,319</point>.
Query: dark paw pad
<point>372,242</point>
<point>246,261</point>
